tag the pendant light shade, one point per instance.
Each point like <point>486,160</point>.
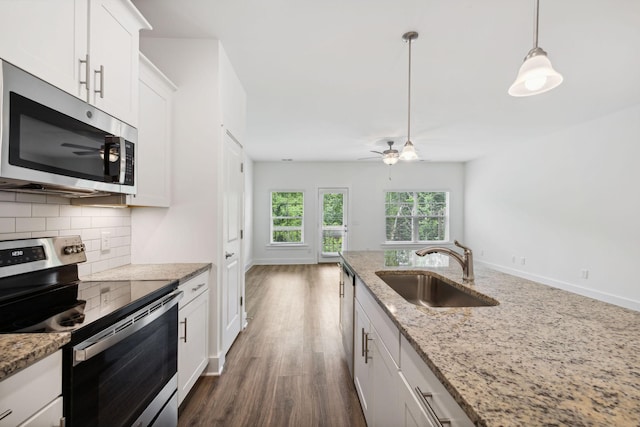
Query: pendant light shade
<point>391,159</point>
<point>408,151</point>
<point>536,75</point>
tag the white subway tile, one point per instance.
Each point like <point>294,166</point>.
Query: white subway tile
<point>123,231</point>
<point>123,251</point>
<point>31,198</point>
<point>84,269</point>
<point>70,210</point>
<point>99,266</point>
<point>68,232</point>
<point>11,236</point>
<point>13,209</point>
<point>7,225</point>
<point>126,221</point>
<point>58,200</point>
<point>46,210</point>
<point>92,256</point>
<point>30,224</point>
<point>38,234</point>
<point>90,233</point>
<point>58,223</point>
<point>80,222</point>
<point>7,196</point>
<point>106,221</point>
<point>119,261</point>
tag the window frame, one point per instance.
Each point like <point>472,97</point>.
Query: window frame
<point>414,217</point>
<point>273,228</point>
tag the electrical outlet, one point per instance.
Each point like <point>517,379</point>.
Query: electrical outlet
<point>104,297</point>
<point>523,260</point>
<point>513,259</point>
<point>584,273</point>
<point>105,241</point>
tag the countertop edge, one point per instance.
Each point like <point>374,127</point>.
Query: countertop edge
<point>30,347</point>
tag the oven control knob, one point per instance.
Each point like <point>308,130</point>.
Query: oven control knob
<point>68,250</point>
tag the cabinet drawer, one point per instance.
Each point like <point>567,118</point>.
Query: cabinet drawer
<point>418,375</point>
<point>26,392</point>
<point>387,330</point>
<point>194,287</point>
<point>49,416</point>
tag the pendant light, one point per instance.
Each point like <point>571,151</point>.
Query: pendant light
<point>536,75</point>
<point>409,151</point>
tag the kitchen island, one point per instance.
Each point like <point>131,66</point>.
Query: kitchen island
<point>543,356</point>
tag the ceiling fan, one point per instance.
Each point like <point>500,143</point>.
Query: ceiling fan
<point>390,156</point>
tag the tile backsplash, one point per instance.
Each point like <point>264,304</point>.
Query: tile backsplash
<point>33,215</point>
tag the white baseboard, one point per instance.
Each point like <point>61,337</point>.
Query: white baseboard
<point>215,366</point>
<point>571,287</point>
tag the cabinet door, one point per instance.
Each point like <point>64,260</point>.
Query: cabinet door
<point>192,343</point>
<point>153,165</point>
<point>49,416</point>
<point>384,383</point>
<point>411,411</point>
<point>47,39</point>
<point>113,49</point>
<point>361,371</point>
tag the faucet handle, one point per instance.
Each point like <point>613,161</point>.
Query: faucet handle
<point>461,246</point>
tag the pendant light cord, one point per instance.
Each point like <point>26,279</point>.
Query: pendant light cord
<point>535,27</point>
<point>409,97</point>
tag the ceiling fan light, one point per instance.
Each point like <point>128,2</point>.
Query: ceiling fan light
<point>408,152</point>
<point>390,159</point>
<point>536,75</point>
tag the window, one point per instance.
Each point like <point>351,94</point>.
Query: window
<point>416,216</point>
<point>287,209</point>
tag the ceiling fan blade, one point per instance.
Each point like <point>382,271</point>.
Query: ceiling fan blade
<point>85,153</point>
<point>368,158</point>
<point>81,147</point>
<point>377,152</point>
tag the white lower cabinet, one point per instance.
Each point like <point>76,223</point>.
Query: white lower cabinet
<point>32,396</point>
<point>394,384</point>
<point>193,321</point>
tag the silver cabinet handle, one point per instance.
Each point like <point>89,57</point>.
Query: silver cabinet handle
<point>87,72</point>
<point>439,422</point>
<point>101,72</point>
<point>185,329</point>
<point>366,348</point>
<point>5,414</point>
<point>228,255</point>
<point>341,292</point>
<point>362,342</point>
<point>198,287</point>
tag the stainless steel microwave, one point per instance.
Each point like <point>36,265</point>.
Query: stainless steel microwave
<point>55,142</point>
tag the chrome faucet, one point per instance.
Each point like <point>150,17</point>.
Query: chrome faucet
<point>466,262</point>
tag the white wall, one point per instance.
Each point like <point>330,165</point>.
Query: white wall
<point>24,216</point>
<point>566,203</point>
<point>367,183</point>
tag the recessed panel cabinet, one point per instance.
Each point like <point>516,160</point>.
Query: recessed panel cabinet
<point>193,321</point>
<point>88,48</point>
<point>153,157</point>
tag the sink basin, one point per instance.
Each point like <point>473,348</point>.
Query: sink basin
<point>423,289</point>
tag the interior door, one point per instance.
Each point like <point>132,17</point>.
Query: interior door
<point>333,222</point>
<point>232,271</point>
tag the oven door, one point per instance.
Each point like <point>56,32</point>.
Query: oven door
<point>126,375</point>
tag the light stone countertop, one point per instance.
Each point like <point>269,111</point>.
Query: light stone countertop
<point>17,351</point>
<point>543,356</point>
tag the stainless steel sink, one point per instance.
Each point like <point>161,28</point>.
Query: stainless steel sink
<point>423,289</point>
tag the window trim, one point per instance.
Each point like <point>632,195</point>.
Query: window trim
<point>286,228</point>
<point>414,218</point>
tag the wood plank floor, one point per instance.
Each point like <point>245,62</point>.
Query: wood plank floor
<point>287,368</point>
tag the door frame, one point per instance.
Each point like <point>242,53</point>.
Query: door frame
<point>319,212</point>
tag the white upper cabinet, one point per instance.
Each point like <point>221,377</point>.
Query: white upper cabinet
<point>153,161</point>
<point>88,48</point>
<point>46,38</point>
<point>114,27</point>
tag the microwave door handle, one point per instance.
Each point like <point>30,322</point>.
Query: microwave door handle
<point>123,161</point>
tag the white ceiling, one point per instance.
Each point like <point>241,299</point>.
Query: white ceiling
<point>327,80</point>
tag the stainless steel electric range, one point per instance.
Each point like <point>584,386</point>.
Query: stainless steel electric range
<point>119,369</point>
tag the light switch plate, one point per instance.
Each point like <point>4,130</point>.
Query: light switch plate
<point>105,241</point>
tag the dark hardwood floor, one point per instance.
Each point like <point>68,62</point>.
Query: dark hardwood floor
<point>287,368</point>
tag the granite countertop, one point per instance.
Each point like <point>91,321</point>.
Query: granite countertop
<point>17,351</point>
<point>176,271</point>
<point>543,356</point>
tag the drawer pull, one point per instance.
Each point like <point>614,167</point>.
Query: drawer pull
<point>366,348</point>
<point>5,414</point>
<point>198,287</point>
<point>185,330</point>
<point>439,422</point>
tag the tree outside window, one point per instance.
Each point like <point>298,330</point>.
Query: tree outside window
<point>416,216</point>
<point>287,214</point>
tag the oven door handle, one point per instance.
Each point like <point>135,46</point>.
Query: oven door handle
<point>124,328</point>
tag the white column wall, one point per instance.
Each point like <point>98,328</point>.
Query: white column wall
<point>565,203</point>
<point>367,183</point>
